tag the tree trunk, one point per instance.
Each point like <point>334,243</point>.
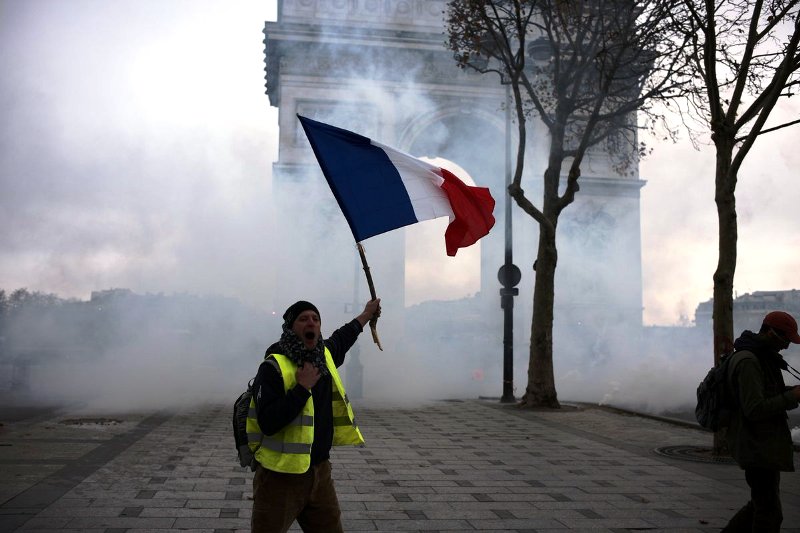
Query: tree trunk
<point>725,198</point>
<point>541,388</point>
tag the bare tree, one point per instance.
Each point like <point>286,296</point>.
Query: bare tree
<point>583,69</point>
<point>744,59</point>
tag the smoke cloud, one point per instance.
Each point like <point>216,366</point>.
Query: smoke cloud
<point>136,151</point>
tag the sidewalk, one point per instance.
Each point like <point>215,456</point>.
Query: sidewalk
<point>447,466</point>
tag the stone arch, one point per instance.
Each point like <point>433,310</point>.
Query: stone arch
<point>415,128</point>
<point>475,142</point>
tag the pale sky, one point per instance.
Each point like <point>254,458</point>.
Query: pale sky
<point>136,148</point>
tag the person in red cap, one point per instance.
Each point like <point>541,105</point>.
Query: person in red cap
<point>758,436</point>
<point>300,409</point>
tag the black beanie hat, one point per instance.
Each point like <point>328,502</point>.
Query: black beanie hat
<point>295,309</point>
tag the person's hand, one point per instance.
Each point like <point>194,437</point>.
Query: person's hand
<point>307,375</point>
<point>371,310</point>
<point>796,392</point>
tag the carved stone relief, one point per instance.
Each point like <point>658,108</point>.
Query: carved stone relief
<point>420,14</point>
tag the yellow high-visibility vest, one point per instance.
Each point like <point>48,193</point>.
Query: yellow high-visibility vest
<point>289,450</point>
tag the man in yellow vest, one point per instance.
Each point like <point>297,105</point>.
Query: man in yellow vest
<point>299,410</point>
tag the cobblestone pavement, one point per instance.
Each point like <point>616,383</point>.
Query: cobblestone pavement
<point>446,466</point>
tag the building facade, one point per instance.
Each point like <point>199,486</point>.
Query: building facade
<point>749,309</point>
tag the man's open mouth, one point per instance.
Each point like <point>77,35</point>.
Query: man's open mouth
<point>309,335</point>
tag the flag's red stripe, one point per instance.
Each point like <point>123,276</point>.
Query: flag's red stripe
<point>472,207</point>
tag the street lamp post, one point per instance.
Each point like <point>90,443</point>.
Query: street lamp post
<point>509,275</point>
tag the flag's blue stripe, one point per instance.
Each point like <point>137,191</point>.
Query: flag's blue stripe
<point>364,181</point>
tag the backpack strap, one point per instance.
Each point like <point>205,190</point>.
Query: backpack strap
<point>272,362</point>
<point>792,370</point>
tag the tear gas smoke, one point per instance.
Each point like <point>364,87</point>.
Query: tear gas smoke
<point>135,152</point>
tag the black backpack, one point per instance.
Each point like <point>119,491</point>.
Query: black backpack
<point>240,409</point>
<point>714,401</point>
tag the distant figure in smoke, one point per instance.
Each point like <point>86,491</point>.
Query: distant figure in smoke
<point>758,436</point>
<point>302,409</point>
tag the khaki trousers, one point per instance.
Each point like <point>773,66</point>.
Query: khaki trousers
<point>310,498</point>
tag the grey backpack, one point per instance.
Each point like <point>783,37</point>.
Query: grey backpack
<point>714,403</point>
<point>241,407</point>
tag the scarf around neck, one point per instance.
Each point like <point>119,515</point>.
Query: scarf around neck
<point>294,348</point>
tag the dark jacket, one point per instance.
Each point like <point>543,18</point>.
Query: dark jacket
<point>275,408</point>
<point>758,435</point>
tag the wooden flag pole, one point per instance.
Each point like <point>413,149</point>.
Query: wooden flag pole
<point>373,322</point>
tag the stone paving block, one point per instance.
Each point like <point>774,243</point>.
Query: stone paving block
<point>87,522</point>
<point>447,513</point>
<point>610,523</point>
<point>196,530</point>
<point>367,497</point>
<point>403,506</point>
<point>66,502</point>
<point>558,514</point>
<point>350,525</point>
<point>472,489</point>
<point>670,523</point>
<point>65,512</point>
<point>104,502</point>
<point>597,506</point>
<point>219,504</point>
<point>421,525</point>
<point>214,523</point>
<point>62,530</point>
<point>534,524</point>
<point>389,489</point>
<point>364,514</point>
<point>91,490</point>
<point>188,495</point>
<point>450,498</point>
<point>563,529</point>
<point>46,522</point>
<point>181,512</point>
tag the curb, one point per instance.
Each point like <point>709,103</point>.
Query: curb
<point>666,419</point>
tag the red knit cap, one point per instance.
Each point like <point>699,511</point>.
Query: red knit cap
<point>784,323</point>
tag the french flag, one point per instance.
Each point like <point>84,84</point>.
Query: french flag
<point>380,189</point>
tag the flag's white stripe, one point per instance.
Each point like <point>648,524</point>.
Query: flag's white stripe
<point>423,184</point>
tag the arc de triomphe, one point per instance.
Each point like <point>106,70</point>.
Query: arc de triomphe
<point>380,68</point>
